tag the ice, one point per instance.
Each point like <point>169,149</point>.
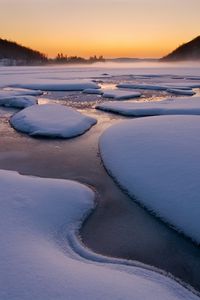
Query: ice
<point>93,91</point>
<point>52,120</point>
<point>18,101</point>
<point>19,98</point>
<point>39,219</point>
<point>10,92</point>
<point>184,85</point>
<point>179,86</point>
<point>50,74</point>
<point>155,160</point>
<point>113,93</point>
<point>67,85</point>
<point>177,106</point>
<point>6,112</point>
<point>142,86</point>
<point>120,94</point>
<point>181,92</point>
<point>156,87</point>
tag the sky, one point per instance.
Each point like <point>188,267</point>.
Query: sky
<point>112,28</point>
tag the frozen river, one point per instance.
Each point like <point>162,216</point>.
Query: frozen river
<point>118,227</point>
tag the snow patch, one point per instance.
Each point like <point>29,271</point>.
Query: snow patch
<point>11,92</point>
<point>120,94</point>
<point>18,101</point>
<point>162,87</point>
<point>156,160</point>
<point>142,86</point>
<point>176,106</point>
<point>37,217</point>
<point>52,120</point>
<point>181,92</point>
<point>67,85</point>
<point>93,91</point>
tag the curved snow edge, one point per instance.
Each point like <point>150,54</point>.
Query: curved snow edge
<point>78,247</point>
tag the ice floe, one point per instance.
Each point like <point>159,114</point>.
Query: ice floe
<point>181,92</point>
<point>19,98</point>
<point>6,112</point>
<point>159,87</point>
<point>18,101</point>
<point>52,120</point>
<point>93,91</point>
<point>10,92</point>
<point>178,106</point>
<point>120,94</point>
<point>39,219</point>
<point>67,85</point>
<point>156,160</point>
<point>141,86</point>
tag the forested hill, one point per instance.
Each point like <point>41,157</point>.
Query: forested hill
<point>188,51</point>
<point>20,54</point>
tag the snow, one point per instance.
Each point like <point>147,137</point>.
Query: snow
<point>67,85</point>
<point>18,101</point>
<point>52,120</point>
<point>182,86</point>
<point>181,92</point>
<point>93,91</point>
<point>79,77</point>
<point>6,112</point>
<point>155,160</point>
<point>50,74</point>
<point>11,92</point>
<point>142,86</point>
<point>19,98</point>
<point>120,94</point>
<point>177,106</point>
<point>113,93</point>
<point>37,217</point>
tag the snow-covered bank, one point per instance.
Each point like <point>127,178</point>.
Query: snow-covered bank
<point>37,261</point>
<point>52,120</point>
<point>156,159</point>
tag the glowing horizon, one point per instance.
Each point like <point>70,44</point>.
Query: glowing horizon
<point>112,28</point>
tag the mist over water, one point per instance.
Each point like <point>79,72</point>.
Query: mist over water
<point>144,67</point>
<point>10,75</point>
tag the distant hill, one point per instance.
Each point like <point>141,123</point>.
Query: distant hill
<point>15,54</point>
<point>188,51</point>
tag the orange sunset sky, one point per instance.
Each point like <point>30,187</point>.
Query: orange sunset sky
<point>113,28</point>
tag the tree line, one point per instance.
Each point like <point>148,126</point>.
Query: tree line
<point>13,53</point>
<point>65,59</point>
